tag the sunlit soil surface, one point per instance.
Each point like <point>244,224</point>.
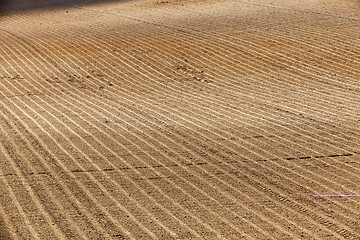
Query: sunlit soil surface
<point>180,119</point>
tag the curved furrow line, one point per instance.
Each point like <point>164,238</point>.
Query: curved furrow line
<point>49,193</point>
<point>307,66</point>
<point>9,146</point>
<point>297,73</point>
<point>50,168</point>
<point>312,171</point>
<point>339,41</point>
<point>157,172</point>
<point>103,124</point>
<point>165,106</point>
<point>313,177</point>
<point>69,155</point>
<point>84,189</point>
<point>142,209</point>
<point>10,154</point>
<point>175,28</point>
<point>226,35</point>
<point>324,221</point>
<point>257,167</point>
<point>15,203</point>
<point>296,192</point>
<point>331,56</point>
<point>179,205</point>
<point>338,29</point>
<point>310,191</point>
<point>53,175</point>
<point>339,168</point>
<point>303,37</point>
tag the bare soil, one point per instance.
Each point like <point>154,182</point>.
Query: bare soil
<point>180,119</point>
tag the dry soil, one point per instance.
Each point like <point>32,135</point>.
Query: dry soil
<point>180,119</point>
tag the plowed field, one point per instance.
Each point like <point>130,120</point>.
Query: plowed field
<point>181,119</point>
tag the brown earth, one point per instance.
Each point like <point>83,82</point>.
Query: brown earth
<point>181,119</point>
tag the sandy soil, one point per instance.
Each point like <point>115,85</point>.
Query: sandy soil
<point>180,119</point>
